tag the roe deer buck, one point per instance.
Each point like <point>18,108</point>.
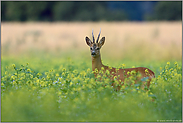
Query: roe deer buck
<point>123,73</point>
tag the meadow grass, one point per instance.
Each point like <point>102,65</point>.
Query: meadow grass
<point>131,40</point>
<point>68,92</point>
<point>42,83</point>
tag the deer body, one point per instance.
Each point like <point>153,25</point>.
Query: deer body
<point>123,73</point>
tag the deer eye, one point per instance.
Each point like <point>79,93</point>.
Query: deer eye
<point>98,48</point>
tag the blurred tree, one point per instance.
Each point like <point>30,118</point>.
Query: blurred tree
<point>93,11</point>
<point>59,11</point>
<point>3,10</point>
<point>89,11</point>
<point>14,11</point>
<point>118,15</point>
<point>80,11</point>
<point>63,11</point>
<point>39,11</point>
<point>169,10</point>
<point>23,11</point>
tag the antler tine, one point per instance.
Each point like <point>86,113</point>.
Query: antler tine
<point>93,37</point>
<point>98,35</point>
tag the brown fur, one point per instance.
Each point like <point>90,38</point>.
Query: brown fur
<point>123,73</point>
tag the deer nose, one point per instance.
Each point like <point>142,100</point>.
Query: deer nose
<point>93,53</point>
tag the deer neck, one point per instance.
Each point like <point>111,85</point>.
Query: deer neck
<point>96,63</point>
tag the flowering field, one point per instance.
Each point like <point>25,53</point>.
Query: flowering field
<point>42,83</point>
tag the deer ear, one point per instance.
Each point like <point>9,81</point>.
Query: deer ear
<point>88,41</point>
<point>102,41</point>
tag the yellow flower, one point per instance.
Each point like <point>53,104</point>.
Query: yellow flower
<point>2,84</point>
<point>71,83</point>
<point>72,92</point>
<point>63,69</point>
<point>123,87</point>
<point>74,89</point>
<point>59,93</point>
<point>101,72</point>
<point>6,72</point>
<point>176,64</point>
<point>117,69</point>
<point>47,76</point>
<point>83,86</point>
<point>107,72</point>
<point>37,81</point>
<point>88,69</point>
<point>96,70</point>
<point>39,74</point>
<point>168,63</point>
<point>83,73</point>
<point>128,72</point>
<point>116,82</point>
<point>133,72</point>
<point>13,77</point>
<point>57,75</point>
<point>98,76</point>
<point>46,73</point>
<point>146,70</point>
<point>14,82</point>
<point>110,67</point>
<point>42,83</point>
<point>123,65</point>
<point>28,70</point>
<point>115,77</point>
<point>151,93</point>
<point>13,65</point>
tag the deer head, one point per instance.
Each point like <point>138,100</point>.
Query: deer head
<point>95,46</point>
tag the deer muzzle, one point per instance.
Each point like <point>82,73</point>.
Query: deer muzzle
<point>93,53</point>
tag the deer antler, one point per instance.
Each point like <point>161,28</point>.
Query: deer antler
<point>93,37</point>
<point>98,36</point>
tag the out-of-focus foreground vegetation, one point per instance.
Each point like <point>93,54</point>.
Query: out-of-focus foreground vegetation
<point>46,72</point>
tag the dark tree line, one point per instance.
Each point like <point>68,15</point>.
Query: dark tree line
<point>168,11</point>
<point>89,11</point>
